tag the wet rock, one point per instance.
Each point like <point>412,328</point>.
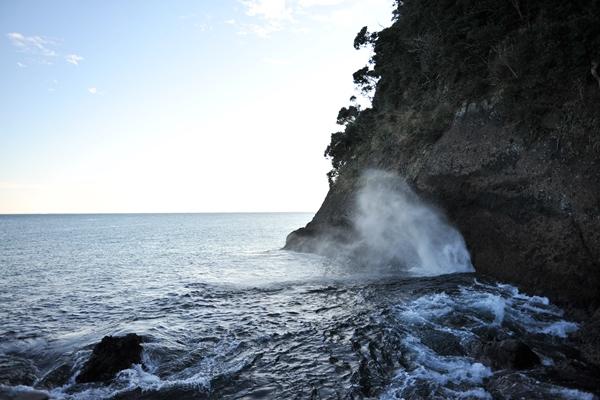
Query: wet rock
<point>514,386</point>
<point>17,371</point>
<point>443,343</point>
<point>588,338</point>
<point>179,393</point>
<point>56,377</point>
<point>506,354</point>
<point>12,394</point>
<point>110,356</point>
<point>573,373</point>
<point>31,396</point>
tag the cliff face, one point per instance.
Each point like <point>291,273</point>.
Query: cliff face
<point>490,110</point>
<point>529,214</point>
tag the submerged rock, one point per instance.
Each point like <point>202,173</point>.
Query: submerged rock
<point>110,356</point>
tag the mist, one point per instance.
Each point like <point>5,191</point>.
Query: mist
<point>396,230</point>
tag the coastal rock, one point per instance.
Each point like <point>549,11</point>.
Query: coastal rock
<point>31,396</point>
<point>17,371</point>
<point>110,356</point>
<point>507,354</point>
<point>514,385</point>
<point>528,214</point>
<point>588,338</point>
<point>56,377</point>
<point>22,395</point>
<point>514,164</point>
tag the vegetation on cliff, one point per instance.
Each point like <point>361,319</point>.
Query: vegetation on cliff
<point>535,62</point>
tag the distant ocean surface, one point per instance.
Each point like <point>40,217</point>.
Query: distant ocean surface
<point>226,314</point>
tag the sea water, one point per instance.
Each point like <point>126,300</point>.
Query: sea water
<point>225,313</point>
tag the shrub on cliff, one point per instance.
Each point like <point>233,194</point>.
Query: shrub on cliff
<point>531,56</point>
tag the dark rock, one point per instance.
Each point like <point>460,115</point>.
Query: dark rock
<point>17,371</point>
<point>179,393</point>
<point>56,377</point>
<point>588,337</point>
<point>110,356</point>
<point>12,394</point>
<point>31,396</point>
<point>574,374</point>
<point>443,343</point>
<point>506,354</point>
<point>514,386</point>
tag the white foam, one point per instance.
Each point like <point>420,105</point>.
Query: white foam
<point>144,377</point>
<point>534,314</point>
<point>444,369</point>
<point>478,393</point>
<point>438,372</point>
<point>560,328</point>
<point>499,306</point>
<point>486,302</point>
<point>572,394</point>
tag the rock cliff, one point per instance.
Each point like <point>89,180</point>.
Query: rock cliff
<point>491,111</point>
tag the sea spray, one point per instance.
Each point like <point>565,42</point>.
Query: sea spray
<point>395,227</point>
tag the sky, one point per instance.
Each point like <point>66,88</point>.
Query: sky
<point>174,106</point>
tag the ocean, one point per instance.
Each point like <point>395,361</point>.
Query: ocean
<point>226,314</point>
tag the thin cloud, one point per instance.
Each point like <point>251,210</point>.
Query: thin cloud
<point>37,45</point>
<point>270,16</point>
<point>93,90</point>
<point>320,3</point>
<point>261,30</point>
<point>40,49</point>
<point>271,10</point>
<point>74,59</point>
<point>201,22</point>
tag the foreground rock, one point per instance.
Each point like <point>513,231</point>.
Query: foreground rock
<point>111,355</point>
<point>507,354</point>
<point>15,371</point>
<point>32,396</point>
<point>18,395</point>
<point>56,377</point>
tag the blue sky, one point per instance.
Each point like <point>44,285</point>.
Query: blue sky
<point>173,106</point>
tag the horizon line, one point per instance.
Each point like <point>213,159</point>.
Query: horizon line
<point>155,213</point>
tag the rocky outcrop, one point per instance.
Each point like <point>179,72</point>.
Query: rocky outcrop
<point>507,354</point>
<point>24,395</point>
<point>111,355</point>
<point>506,142</point>
<point>15,371</point>
<point>530,213</point>
<point>56,377</point>
<point>589,338</point>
